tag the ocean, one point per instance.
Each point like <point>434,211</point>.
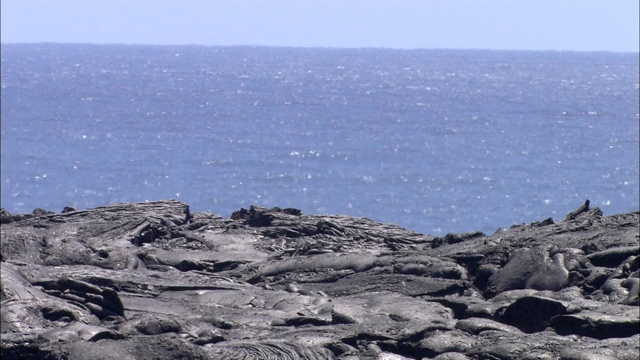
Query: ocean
<point>436,141</point>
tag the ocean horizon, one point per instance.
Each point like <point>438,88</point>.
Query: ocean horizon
<point>437,141</point>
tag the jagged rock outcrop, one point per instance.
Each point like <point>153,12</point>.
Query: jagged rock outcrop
<point>153,280</point>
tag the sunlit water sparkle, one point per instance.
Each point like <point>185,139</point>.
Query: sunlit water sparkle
<point>434,140</point>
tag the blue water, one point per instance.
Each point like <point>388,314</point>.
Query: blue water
<point>434,140</point>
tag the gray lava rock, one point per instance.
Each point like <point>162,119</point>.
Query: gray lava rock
<point>153,280</point>
<point>532,313</point>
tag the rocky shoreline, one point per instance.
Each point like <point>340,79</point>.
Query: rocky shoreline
<point>155,281</point>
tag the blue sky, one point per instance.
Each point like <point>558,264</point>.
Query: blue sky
<point>578,25</point>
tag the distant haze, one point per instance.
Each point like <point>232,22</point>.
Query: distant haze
<point>576,25</point>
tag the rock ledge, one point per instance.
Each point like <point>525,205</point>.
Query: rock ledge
<point>155,281</point>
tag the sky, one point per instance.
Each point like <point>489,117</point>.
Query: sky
<point>574,25</point>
